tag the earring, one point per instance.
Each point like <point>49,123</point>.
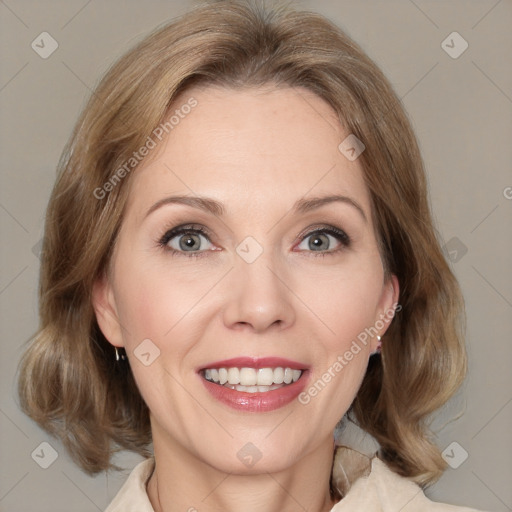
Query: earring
<point>119,356</point>
<point>379,345</point>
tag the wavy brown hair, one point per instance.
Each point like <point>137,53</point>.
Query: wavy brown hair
<point>69,381</point>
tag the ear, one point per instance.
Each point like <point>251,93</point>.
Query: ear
<point>388,303</point>
<point>105,309</point>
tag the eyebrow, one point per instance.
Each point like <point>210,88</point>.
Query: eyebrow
<point>214,207</point>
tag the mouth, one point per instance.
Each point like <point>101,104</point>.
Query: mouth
<point>251,380</point>
<point>254,384</point>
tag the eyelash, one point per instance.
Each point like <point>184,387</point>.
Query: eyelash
<point>340,235</point>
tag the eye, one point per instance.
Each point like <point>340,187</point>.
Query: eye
<point>325,241</point>
<point>194,241</point>
<point>186,239</point>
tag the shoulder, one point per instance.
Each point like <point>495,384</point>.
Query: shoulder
<point>383,490</point>
<point>132,497</point>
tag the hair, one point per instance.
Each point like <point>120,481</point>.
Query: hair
<point>69,381</point>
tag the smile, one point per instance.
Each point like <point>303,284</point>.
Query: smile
<point>254,384</point>
<point>251,380</point>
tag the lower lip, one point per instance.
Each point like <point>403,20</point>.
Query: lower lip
<point>256,402</point>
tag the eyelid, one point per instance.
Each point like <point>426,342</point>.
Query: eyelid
<point>172,232</point>
<point>180,228</point>
<point>340,235</point>
<point>325,228</point>
<point>169,233</point>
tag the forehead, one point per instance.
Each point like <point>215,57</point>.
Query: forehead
<point>264,147</point>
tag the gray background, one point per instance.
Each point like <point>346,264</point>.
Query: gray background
<point>462,113</point>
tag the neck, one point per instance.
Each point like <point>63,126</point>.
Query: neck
<point>182,482</point>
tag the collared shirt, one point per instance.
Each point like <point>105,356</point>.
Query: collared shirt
<point>382,490</point>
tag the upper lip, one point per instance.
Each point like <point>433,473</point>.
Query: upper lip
<point>256,363</point>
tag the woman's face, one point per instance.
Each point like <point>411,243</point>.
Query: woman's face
<point>266,259</point>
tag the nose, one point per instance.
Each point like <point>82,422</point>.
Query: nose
<point>259,297</point>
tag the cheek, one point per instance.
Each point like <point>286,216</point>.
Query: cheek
<point>346,303</point>
<point>143,313</point>
<point>342,357</point>
<point>154,312</point>
<point>152,302</point>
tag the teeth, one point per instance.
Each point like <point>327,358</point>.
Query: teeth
<point>251,380</point>
<point>278,375</point>
<point>234,376</point>
<point>248,377</point>
<point>223,375</point>
<point>265,377</point>
<point>247,389</point>
<point>254,389</point>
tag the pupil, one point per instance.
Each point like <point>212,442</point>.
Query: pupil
<point>317,241</point>
<point>188,242</point>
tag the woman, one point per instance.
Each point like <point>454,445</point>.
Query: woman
<point>239,254</point>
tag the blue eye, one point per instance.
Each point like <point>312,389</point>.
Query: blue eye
<point>323,240</point>
<point>194,241</point>
<point>186,239</point>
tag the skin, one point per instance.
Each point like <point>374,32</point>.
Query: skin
<point>256,151</point>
